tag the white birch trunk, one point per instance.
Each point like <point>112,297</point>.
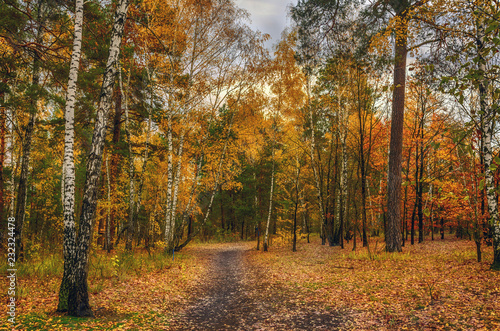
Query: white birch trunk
<point>487,130</point>
<point>68,187</point>
<point>78,299</point>
<point>266,236</point>
<point>13,167</point>
<point>168,216</point>
<point>176,189</point>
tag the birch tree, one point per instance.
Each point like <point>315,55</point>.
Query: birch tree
<point>271,190</point>
<point>68,196</point>
<point>78,299</point>
<point>488,107</point>
<point>478,71</point>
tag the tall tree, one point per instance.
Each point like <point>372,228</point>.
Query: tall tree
<point>22,190</point>
<point>68,197</point>
<point>392,230</point>
<point>403,12</point>
<point>78,300</point>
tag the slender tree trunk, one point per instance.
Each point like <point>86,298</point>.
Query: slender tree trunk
<point>69,240</point>
<point>176,190</point>
<point>22,190</point>
<point>2,159</point>
<point>313,166</point>
<point>487,130</point>
<point>222,222</point>
<point>294,248</point>
<point>13,168</point>
<point>256,206</point>
<point>78,299</point>
<point>404,230</point>
<point>490,192</point>
<point>393,233</point>
<point>419,179</point>
<point>138,193</point>
<point>131,170</point>
<point>305,228</point>
<point>266,236</point>
<point>412,230</point>
<point>419,199</point>
<point>169,230</point>
<point>115,159</point>
<point>330,206</point>
<point>442,228</point>
<point>363,191</point>
<point>343,181</point>
<point>108,216</point>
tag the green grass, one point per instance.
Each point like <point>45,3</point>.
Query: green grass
<point>37,266</point>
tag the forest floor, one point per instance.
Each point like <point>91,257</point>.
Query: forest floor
<point>240,297</point>
<point>436,285</point>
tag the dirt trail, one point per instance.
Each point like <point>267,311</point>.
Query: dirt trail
<point>235,299</point>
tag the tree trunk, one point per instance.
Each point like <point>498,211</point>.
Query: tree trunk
<point>313,166</point>
<point>294,248</point>
<point>343,184</point>
<point>169,229</point>
<point>2,159</point>
<point>69,240</point>
<point>176,189</point>
<point>266,236</point>
<point>256,206</point>
<point>107,241</point>
<point>78,299</point>
<point>487,130</point>
<point>363,188</point>
<point>420,182</point>
<point>115,159</point>
<point>131,170</point>
<point>138,193</point>
<point>442,228</point>
<point>22,190</point>
<point>490,192</point>
<point>222,224</point>
<point>393,233</point>
<point>13,167</point>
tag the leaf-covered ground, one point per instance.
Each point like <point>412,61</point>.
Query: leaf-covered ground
<point>238,297</point>
<point>432,286</point>
<point>127,292</point>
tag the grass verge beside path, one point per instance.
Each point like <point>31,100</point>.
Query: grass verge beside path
<point>127,291</point>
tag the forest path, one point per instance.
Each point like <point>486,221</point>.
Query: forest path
<point>236,297</point>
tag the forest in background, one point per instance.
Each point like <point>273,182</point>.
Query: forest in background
<point>366,120</point>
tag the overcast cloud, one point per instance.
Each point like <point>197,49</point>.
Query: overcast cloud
<point>268,16</point>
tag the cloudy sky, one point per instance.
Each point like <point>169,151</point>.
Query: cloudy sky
<point>268,16</point>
